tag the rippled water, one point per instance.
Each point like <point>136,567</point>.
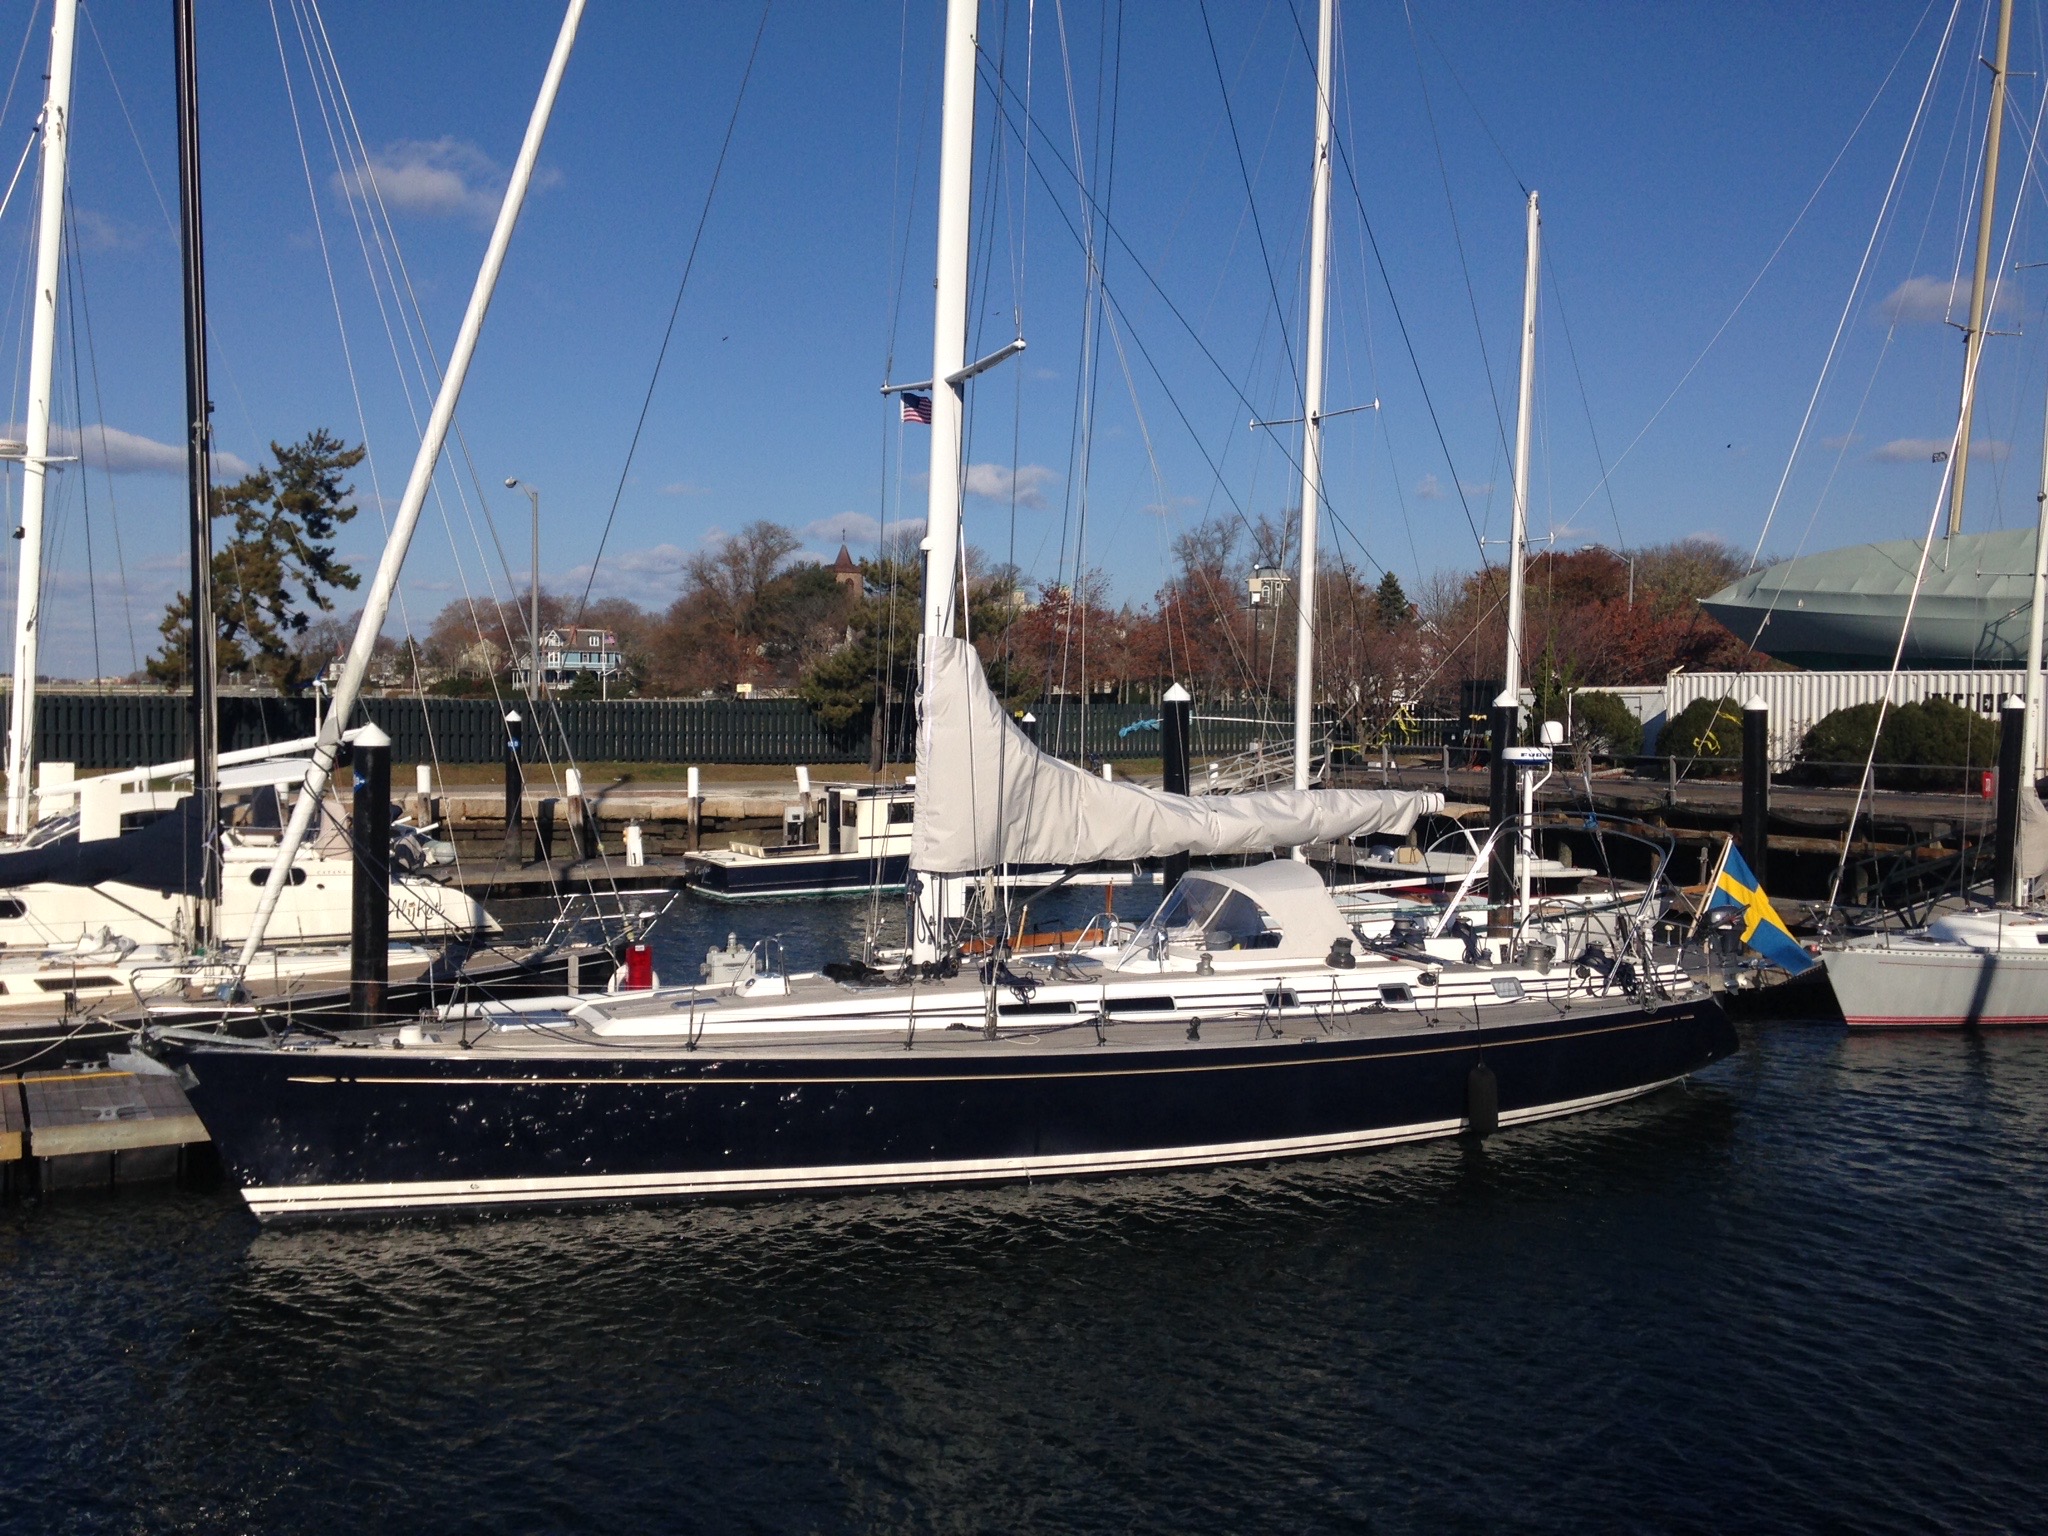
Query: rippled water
<point>1810,1292</point>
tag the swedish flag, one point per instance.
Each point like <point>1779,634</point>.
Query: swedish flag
<point>1762,929</point>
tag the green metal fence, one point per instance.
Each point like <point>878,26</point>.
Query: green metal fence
<point>119,730</point>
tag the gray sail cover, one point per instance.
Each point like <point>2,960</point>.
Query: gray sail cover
<point>2031,854</point>
<point>986,796</point>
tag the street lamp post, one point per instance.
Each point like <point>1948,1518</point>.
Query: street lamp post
<point>533,619</point>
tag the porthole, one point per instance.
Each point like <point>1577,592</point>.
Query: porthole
<point>11,908</point>
<point>262,876</point>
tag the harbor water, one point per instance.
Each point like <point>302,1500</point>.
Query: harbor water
<point>1806,1292</point>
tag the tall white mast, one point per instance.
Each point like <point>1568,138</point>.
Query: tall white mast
<point>378,601</point>
<point>1525,408</point>
<point>1312,408</point>
<point>35,463</point>
<point>949,385</point>
<point>949,318</point>
<point>1973,333</point>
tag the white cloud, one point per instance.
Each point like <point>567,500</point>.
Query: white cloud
<point>1933,300</point>
<point>439,178</point>
<point>1842,440</point>
<point>1923,450</point>
<point>857,530</point>
<point>130,453</point>
<point>651,576</point>
<point>998,482</point>
<point>1476,487</point>
<point>1429,488</point>
<point>98,232</point>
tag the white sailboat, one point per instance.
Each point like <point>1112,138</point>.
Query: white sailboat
<point>93,920</point>
<point>1983,966</point>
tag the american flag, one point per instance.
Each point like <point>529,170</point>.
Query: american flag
<point>917,408</point>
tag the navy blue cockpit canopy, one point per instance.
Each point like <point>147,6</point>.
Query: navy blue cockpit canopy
<point>163,857</point>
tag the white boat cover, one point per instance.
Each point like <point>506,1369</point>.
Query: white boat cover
<point>986,796</point>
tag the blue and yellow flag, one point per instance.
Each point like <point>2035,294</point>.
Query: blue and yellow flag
<point>1762,929</point>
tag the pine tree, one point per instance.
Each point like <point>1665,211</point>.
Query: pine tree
<point>277,569</point>
<point>1390,604</point>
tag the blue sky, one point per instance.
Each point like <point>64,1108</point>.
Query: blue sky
<point>1673,146</point>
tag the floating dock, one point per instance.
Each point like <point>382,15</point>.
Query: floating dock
<point>93,1128</point>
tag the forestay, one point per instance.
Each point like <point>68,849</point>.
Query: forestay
<point>986,796</point>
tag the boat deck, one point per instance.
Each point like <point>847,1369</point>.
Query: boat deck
<point>559,1033</point>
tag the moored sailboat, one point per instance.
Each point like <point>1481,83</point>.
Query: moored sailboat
<point>1245,1020</point>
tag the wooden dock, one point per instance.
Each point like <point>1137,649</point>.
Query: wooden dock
<point>93,1128</point>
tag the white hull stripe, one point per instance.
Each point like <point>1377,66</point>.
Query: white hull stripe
<point>320,1199</point>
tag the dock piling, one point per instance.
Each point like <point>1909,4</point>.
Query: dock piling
<point>1754,835</point>
<point>2012,773</point>
<point>515,791</point>
<point>1500,875</point>
<point>369,961</point>
<point>1176,718</point>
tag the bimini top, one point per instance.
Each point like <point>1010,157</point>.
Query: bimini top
<point>1845,607</point>
<point>1279,909</point>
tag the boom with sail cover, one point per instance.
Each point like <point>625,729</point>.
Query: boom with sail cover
<point>988,797</point>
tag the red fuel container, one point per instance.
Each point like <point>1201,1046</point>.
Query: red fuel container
<point>639,968</point>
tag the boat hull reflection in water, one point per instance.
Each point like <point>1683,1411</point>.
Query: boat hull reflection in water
<point>506,1121</point>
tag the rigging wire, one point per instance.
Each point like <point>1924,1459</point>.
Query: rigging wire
<point>675,309</point>
<point>1970,379</point>
<point>1855,287</point>
<point>106,463</point>
<point>1769,261</point>
<point>1457,232</point>
<point>1251,202</point>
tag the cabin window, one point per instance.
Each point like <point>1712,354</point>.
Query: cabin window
<point>74,983</point>
<point>1396,994</point>
<point>10,908</point>
<point>849,812</point>
<point>1508,988</point>
<point>902,812</point>
<point>262,876</point>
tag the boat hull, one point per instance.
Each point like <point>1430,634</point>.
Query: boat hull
<point>331,1131</point>
<point>825,874</point>
<point>1938,987</point>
